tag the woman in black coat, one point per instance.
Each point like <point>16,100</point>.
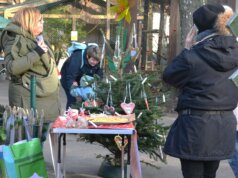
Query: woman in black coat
<point>205,130</point>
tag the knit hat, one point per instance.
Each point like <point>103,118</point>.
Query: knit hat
<point>205,16</point>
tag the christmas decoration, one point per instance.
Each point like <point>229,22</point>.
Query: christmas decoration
<point>151,133</point>
<point>108,108</point>
<point>122,10</point>
<point>118,140</point>
<point>146,89</point>
<point>128,108</point>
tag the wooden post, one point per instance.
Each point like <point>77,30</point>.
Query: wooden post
<point>73,18</point>
<point>174,29</point>
<point>133,11</point>
<point>144,35</point>
<point>236,5</point>
<point>139,43</point>
<point>73,24</point>
<point>161,33</point>
<point>108,21</point>
<point>129,27</point>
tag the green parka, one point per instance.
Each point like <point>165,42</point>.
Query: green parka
<point>23,56</point>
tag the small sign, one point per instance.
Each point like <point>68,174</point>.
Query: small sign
<point>74,36</point>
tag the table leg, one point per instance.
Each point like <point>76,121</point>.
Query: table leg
<point>51,151</point>
<point>64,154</point>
<point>58,171</point>
<point>122,157</point>
<point>128,166</point>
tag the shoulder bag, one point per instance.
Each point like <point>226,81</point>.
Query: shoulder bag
<point>45,85</point>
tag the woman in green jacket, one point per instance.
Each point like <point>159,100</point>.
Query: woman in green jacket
<point>26,54</point>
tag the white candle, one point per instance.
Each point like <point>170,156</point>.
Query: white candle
<point>163,98</point>
<point>139,115</point>
<point>94,125</point>
<point>113,77</point>
<point>117,114</point>
<point>144,81</point>
<point>135,69</point>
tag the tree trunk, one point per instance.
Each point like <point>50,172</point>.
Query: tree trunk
<point>161,32</point>
<point>144,35</point>
<point>133,10</point>
<point>174,30</point>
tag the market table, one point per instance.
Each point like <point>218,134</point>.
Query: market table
<point>132,154</point>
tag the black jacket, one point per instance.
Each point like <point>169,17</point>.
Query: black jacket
<point>201,74</point>
<point>71,70</point>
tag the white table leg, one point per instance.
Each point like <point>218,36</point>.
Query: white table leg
<point>128,165</point>
<point>58,173</point>
<point>128,171</point>
<point>52,152</point>
<point>122,162</point>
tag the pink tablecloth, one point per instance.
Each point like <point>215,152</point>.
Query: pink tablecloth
<point>61,123</point>
<point>134,152</point>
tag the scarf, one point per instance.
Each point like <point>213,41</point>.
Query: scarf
<point>205,35</point>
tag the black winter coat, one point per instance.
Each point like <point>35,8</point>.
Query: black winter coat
<point>201,74</point>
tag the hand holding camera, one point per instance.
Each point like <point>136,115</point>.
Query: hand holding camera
<point>190,39</point>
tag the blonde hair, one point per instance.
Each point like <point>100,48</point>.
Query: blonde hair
<point>222,20</point>
<point>27,18</point>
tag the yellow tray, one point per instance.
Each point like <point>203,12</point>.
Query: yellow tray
<point>107,119</point>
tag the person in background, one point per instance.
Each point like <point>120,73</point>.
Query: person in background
<point>27,53</point>
<point>72,72</point>
<point>205,131</point>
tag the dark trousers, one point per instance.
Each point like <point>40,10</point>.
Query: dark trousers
<point>199,169</point>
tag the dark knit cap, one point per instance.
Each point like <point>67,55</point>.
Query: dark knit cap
<point>205,16</point>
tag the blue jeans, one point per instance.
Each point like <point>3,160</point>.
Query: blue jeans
<point>234,160</point>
